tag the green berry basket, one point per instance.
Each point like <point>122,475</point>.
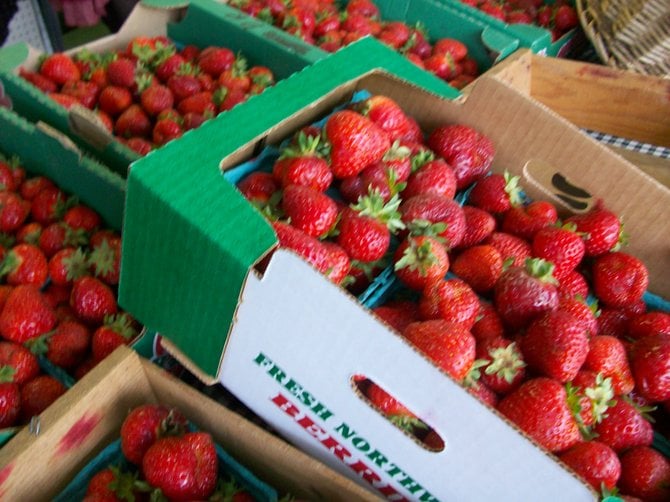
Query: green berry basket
<point>629,34</point>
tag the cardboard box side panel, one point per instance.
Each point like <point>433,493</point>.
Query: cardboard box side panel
<point>269,457</point>
<point>72,429</point>
<point>93,183</point>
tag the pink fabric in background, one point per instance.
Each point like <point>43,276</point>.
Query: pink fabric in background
<point>81,12</point>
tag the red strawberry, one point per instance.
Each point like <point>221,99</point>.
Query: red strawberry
<point>43,83</point>
<point>565,18</point>
<point>121,72</point>
<point>170,66</point>
<point>582,312</point>
<point>573,284</point>
<point>132,122</point>
<point>539,408</point>
<point>648,324</point>
<point>311,249</point>
<point>114,99</point>
<point>82,217</point>
<point>645,473</point>
<point>165,130</point>
<point>595,462</point>
<point>13,211</point>
<point>105,260</point>
<point>67,265</point>
<point>619,279</point>
<point>65,100</point>
<point>201,102</point>
<point>394,34</point>
<point>449,299</point>
<point>59,235</point>
<point>25,264</point>
<point>526,221</point>
<point>561,246</point>
<point>555,345</point>
<point>59,68</point>
<point>443,66</point>
<point>366,8</point>
<point>433,176</point>
<point>455,48</point>
<point>479,225</point>
<point>510,246</point>
<point>258,187</point>
<point>522,294</point>
<point>85,92</point>
<point>387,114</point>
<point>31,187</point>
<point>467,151</point>
<point>302,164</point>
<point>355,142</point>
<point>309,210</point>
<point>419,260</point>
<point>496,193</point>
<point>390,407</point>
<point>650,364</point>
<point>236,77</point>
<point>10,402</point>
<point>112,485</point>
<point>92,300</point>
<point>215,60</point>
<point>115,331</point>
<point>38,394</point>
<point>156,98</point>
<point>48,205</point>
<point>505,367</point>
<point>479,266</point>
<point>19,360</point>
<point>607,356</point>
<point>601,229</point>
<point>68,344</point>
<point>449,345</point>
<point>25,315</point>
<point>488,324</point>
<point>339,263</point>
<point>624,426</point>
<point>434,212</point>
<point>183,468</point>
<point>398,314</point>
<point>144,425</point>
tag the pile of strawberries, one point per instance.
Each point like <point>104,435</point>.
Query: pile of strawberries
<point>149,92</point>
<point>60,270</point>
<point>163,460</point>
<point>493,292</point>
<point>324,24</point>
<point>559,17</point>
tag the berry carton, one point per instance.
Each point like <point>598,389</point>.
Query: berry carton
<point>288,343</point>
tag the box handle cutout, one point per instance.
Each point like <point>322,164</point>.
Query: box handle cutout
<point>88,126</point>
<point>553,184</point>
<point>397,413</point>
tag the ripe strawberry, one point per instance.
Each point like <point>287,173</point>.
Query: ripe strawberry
<point>496,193</point>
<point>43,83</point>
<point>624,426</point>
<point>25,315</point>
<point>86,93</point>
<point>67,265</point>
<point>215,60</point>
<point>385,113</point>
<point>479,266</point>
<point>510,246</point>
<point>565,18</point>
<point>19,361</point>
<point>449,299</point>
<point>339,263</point>
<point>555,345</point>
<point>645,473</point>
<point>31,187</point>
<point>82,217</point>
<point>38,394</point>
<point>355,142</point>
<point>10,400</point>
<point>505,367</point>
<point>121,72</point>
<point>394,34</point>
<point>68,344</point>
<point>457,49</point>
<point>29,233</point>
<point>488,323</point>
<point>8,172</point>
<point>105,260</point>
<point>112,485</point>
<point>522,294</point>
<point>258,187</point>
<point>443,66</point>
<point>595,462</point>
<point>144,425</point>
<point>396,412</point>
<point>434,212</point>
<point>92,300</point>
<point>419,260</point>
<point>479,225</point>
<point>165,130</point>
<point>467,151</point>
<point>648,324</point>
<point>201,102</point>
<point>387,177</point>
<point>590,395</point>
<point>539,408</point>
<point>619,279</point>
<point>116,330</point>
<point>25,264</point>
<point>397,314</point>
<point>302,164</point>
<point>560,245</point>
<point>59,68</point>
<point>573,284</point>
<point>65,100</point>
<point>449,345</point>
<point>650,364</point>
<point>607,356</point>
<point>582,312</point>
<point>13,211</point>
<point>183,468</point>
<point>59,235</point>
<point>309,210</point>
<point>132,122</point>
<point>156,98</point>
<point>601,228</point>
<point>48,205</point>
<point>170,66</point>
<point>526,221</point>
<point>433,176</point>
<point>311,249</point>
<point>236,77</point>
<point>184,83</point>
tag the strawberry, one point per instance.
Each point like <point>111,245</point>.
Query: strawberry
<point>560,245</point>
<point>8,175</point>
<point>19,361</point>
<point>526,221</point>
<point>132,122</point>
<point>565,18</point>
<point>355,142</point>
<point>451,300</point>
<point>442,65</point>
<point>236,77</point>
<point>258,187</point>
<point>183,468</point>
<point>302,164</point>
<point>522,294</point>
<point>66,265</point>
<point>215,60</point>
<point>510,246</point>
<point>31,187</point>
<point>59,235</point>
<point>84,92</point>
<point>229,98</point>
<point>25,315</point>
<point>455,48</point>
<point>13,211</point>
<point>116,330</point>
<point>29,233</point>
<point>595,462</point>
<point>68,344</point>
<point>65,100</point>
<point>366,8</point>
<point>397,314</point>
<point>48,205</point>
<point>59,68</point>
<point>590,395</point>
<point>573,284</point>
<point>505,367</point>
<point>496,193</point>
<point>479,266</point>
<point>539,408</point>
<point>624,426</point>
<point>479,225</point>
<point>105,260</point>
<point>338,261</point>
<point>82,217</point>
<point>432,211</point>
<point>619,279</point>
<point>114,99</point>
<point>170,66</point>
<point>112,485</point>
<point>396,412</point>
<point>311,249</point>
<point>144,425</point>
<point>43,83</point>
<point>394,34</point>
<point>25,264</point>
<point>156,98</point>
<point>261,77</point>
<point>38,394</point>
<point>582,312</point>
<point>385,113</point>
<point>607,356</point>
<point>488,323</point>
<point>92,300</point>
<point>467,151</point>
<point>650,364</point>
<point>419,260</point>
<point>387,177</point>
<point>184,83</point>
<point>192,120</point>
<point>601,229</point>
<point>648,324</point>
<point>645,473</point>
<point>433,176</point>
<point>121,72</point>
<point>482,392</point>
<point>165,130</point>
<point>10,400</point>
<point>201,102</point>
<point>555,345</point>
<point>449,345</point>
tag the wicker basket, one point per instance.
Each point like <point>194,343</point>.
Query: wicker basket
<point>629,34</point>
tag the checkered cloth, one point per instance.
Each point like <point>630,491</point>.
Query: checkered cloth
<point>630,144</point>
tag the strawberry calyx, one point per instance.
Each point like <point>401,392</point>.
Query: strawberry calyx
<point>623,239</point>
<point>219,95</point>
<point>74,237</point>
<point>408,423</point>
<point>542,270</point>
<point>240,66</point>
<point>120,324</point>
<point>368,267</point>
<point>419,257</point>
<point>505,362</point>
<point>305,145</point>
<point>513,189</point>
<point>39,345</point>
<point>144,81</point>
<point>187,69</point>
<point>421,158</point>
<point>172,425</point>
<point>643,409</point>
<point>77,264</point>
<point>7,373</point>
<point>7,240</point>
<point>475,373</point>
<point>373,206</point>
<point>428,228</point>
<point>396,152</point>
<point>601,396</point>
<point>10,263</point>
<point>265,15</point>
<point>574,402</point>
<point>125,485</point>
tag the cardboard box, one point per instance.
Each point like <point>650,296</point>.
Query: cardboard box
<point>599,98</point>
<point>88,417</point>
<point>288,342</point>
<point>199,22</point>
